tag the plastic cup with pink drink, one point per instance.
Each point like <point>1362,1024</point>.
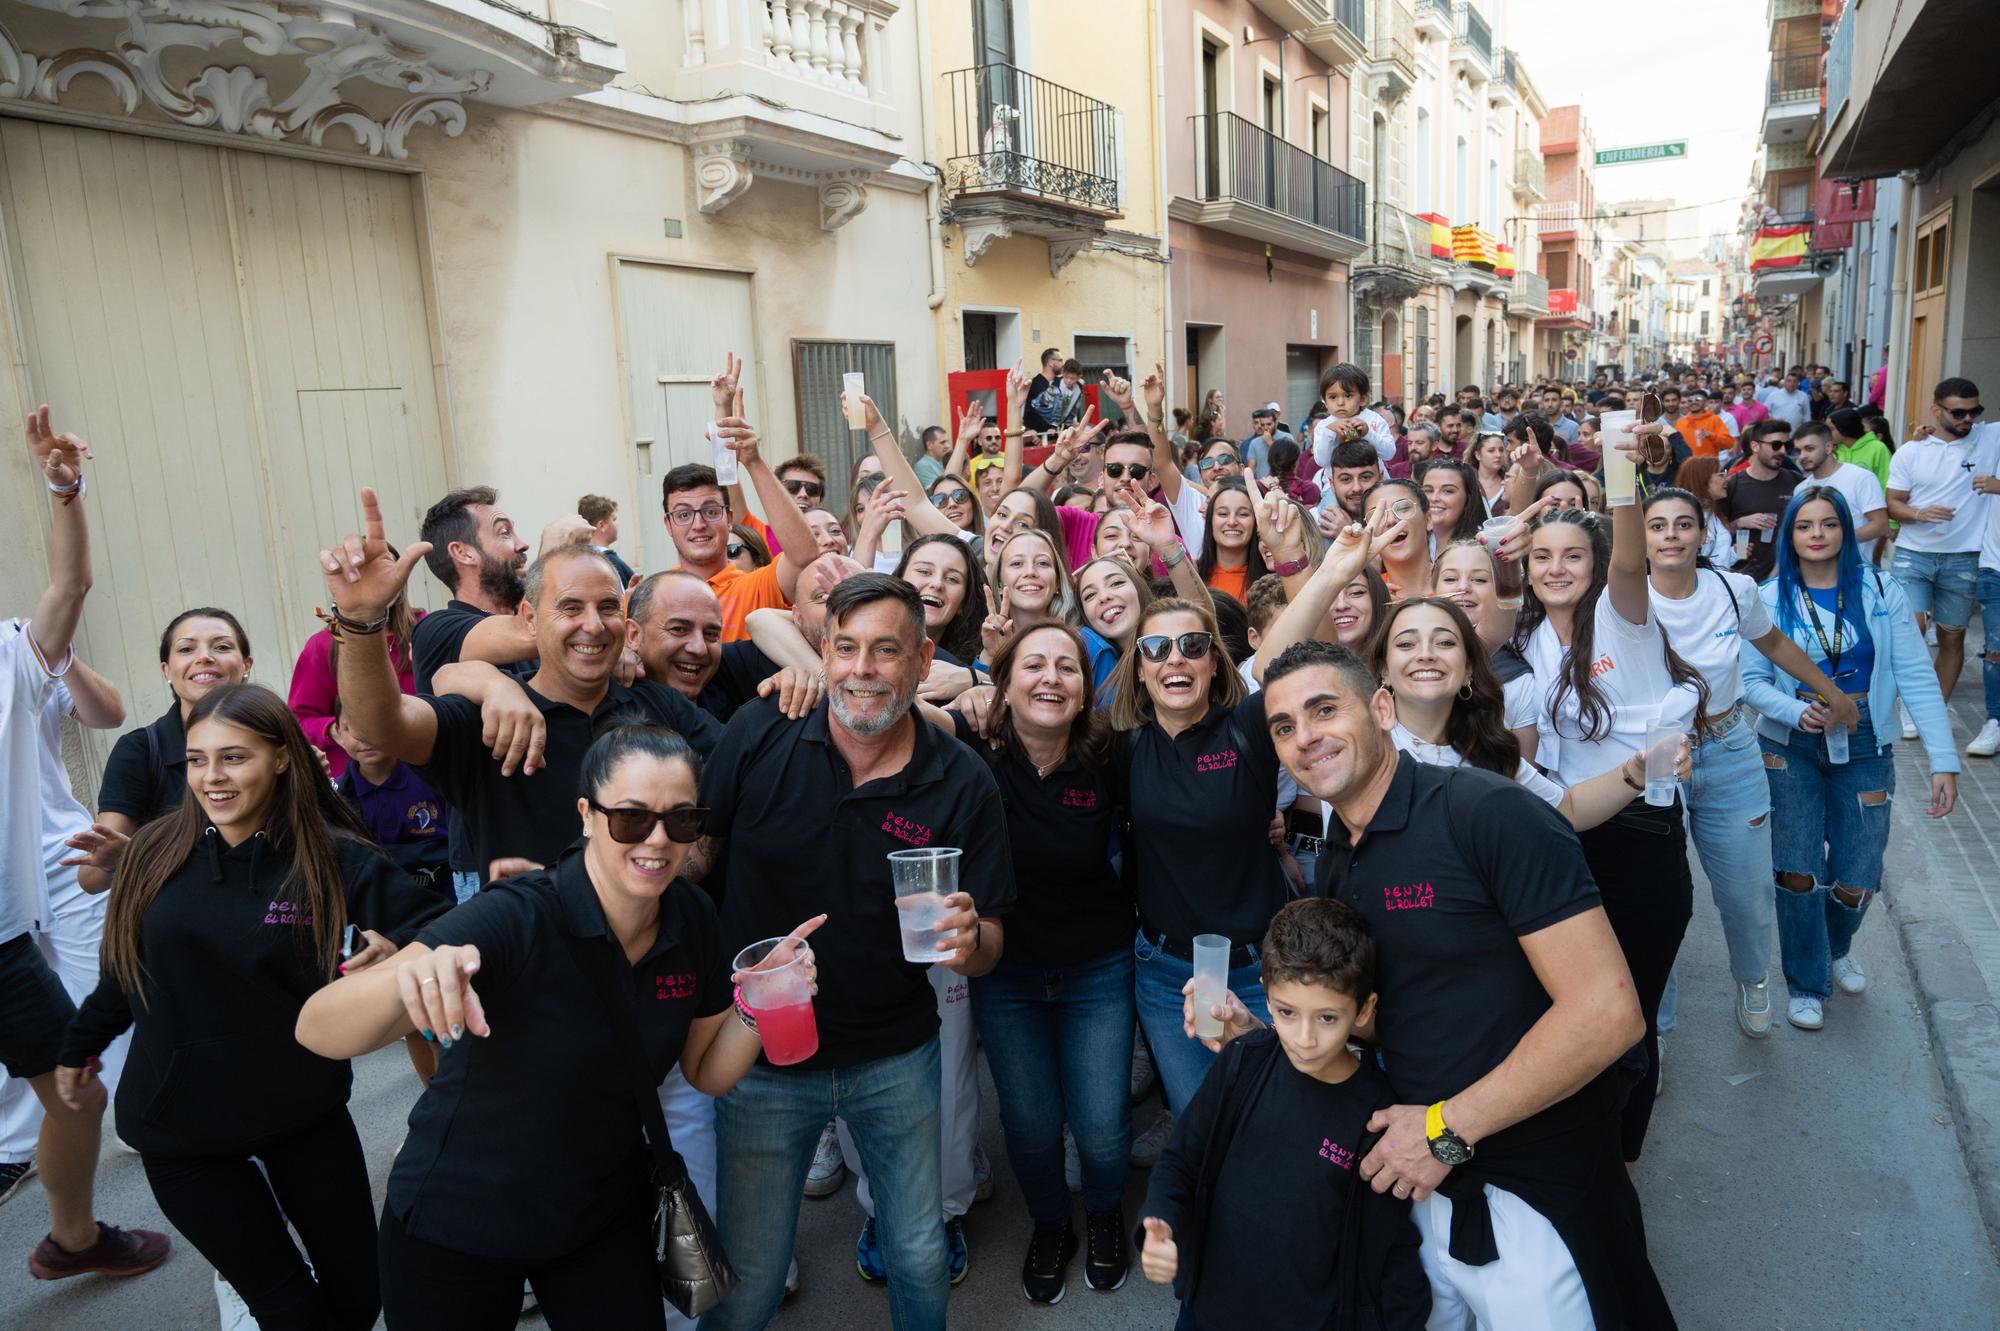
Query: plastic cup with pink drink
<point>779,996</point>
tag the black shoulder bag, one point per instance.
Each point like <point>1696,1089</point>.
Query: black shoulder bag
<point>694,1272</point>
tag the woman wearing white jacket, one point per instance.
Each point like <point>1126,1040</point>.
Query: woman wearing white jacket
<point>1831,790</point>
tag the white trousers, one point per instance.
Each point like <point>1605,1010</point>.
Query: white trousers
<point>1534,1286</point>
<point>958,1099</point>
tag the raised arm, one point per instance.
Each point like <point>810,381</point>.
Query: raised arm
<point>1626,585</point>
<point>363,579</point>
<point>94,700</point>
<point>1155,524</point>
<point>52,625</point>
<point>1012,454</point>
<point>1352,548</point>
<point>781,515</point>
<point>776,634</point>
<point>918,510</point>
<point>1155,390</point>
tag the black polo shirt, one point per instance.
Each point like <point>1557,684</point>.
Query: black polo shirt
<point>1456,867</point>
<point>1070,906</point>
<point>735,681</point>
<point>803,839</point>
<point>146,775</point>
<point>438,639</point>
<point>534,815</point>
<point>1202,804</point>
<point>526,1139</point>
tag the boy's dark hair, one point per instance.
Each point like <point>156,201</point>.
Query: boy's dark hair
<point>1072,366</point>
<point>1320,941</point>
<point>1346,375</point>
<point>1355,453</point>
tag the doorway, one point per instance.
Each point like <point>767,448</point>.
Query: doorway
<point>1463,371</point>
<point>1930,268</point>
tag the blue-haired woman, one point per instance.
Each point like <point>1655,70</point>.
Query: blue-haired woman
<point>1831,791</point>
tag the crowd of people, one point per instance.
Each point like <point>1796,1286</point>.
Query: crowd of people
<point>1337,779</point>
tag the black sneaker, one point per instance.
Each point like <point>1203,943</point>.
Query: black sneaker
<point>1044,1276</point>
<point>13,1176</point>
<point>1108,1261</point>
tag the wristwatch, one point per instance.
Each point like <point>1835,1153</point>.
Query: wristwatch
<point>1292,566</point>
<point>1447,1147</point>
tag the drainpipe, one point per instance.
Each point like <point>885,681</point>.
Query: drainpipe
<point>927,134</point>
<point>1156,62</point>
<point>1899,306</point>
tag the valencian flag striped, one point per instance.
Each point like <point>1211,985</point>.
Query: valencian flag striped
<point>1440,235</point>
<point>1779,247</point>
<point>1470,245</point>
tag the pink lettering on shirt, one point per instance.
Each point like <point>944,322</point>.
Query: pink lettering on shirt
<point>289,912</point>
<point>1336,1153</point>
<point>1074,797</point>
<point>904,829</point>
<point>673,986</point>
<point>1408,896</point>
<point>1220,761</point>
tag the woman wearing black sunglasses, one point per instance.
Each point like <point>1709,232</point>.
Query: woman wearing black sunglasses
<point>525,1158</point>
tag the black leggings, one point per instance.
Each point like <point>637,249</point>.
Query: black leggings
<point>606,1281</point>
<point>235,1216</point>
<point>1639,860</point>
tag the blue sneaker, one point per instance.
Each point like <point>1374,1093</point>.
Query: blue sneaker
<point>956,1260</point>
<point>868,1255</point>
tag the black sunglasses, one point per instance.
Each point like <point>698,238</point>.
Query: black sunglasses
<point>1155,647</point>
<point>797,485</point>
<point>628,827</point>
<point>1117,471</point>
<point>735,549</point>
<point>960,495</point>
<point>1964,413</point>
<point>1210,464</point>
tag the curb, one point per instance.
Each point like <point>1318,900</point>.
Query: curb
<point>1958,1010</point>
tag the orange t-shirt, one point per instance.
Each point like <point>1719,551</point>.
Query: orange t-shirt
<point>1707,436</point>
<point>741,592</point>
<point>1230,580</point>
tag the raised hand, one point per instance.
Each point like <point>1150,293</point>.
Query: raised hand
<point>1155,390</point>
<point>871,413</point>
<point>1119,390</point>
<point>363,576</point>
<point>884,506</point>
<point>832,570</point>
<point>997,625</point>
<point>1154,522</point>
<point>1018,384</point>
<point>970,424</point>
<point>60,456</point>
<point>724,387</point>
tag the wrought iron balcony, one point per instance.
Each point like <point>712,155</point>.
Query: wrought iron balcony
<point>1472,34</point>
<point>1393,44</point>
<point>1250,182</point>
<point>1399,262</point>
<point>1015,134</point>
<point>1794,78</point>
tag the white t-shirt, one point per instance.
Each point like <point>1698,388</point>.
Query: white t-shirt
<point>1793,408</point>
<point>1523,702</point>
<point>1378,434</point>
<point>1188,510</point>
<point>1863,493</point>
<point>1718,545</point>
<point>26,683</point>
<point>1707,633</point>
<point>1443,755</point>
<point>1630,669</point>
<point>1934,471</point>
<point>1988,464</point>
<point>63,816</point>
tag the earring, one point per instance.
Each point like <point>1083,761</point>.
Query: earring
<point>1465,692</point>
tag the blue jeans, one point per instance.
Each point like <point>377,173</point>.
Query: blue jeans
<point>1989,615</point>
<point>1830,826</point>
<point>1939,585</point>
<point>1156,986</point>
<point>1059,1043</point>
<point>765,1132</point>
<point>464,885</point>
<point>1728,804</point>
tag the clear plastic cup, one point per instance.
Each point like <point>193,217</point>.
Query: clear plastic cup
<point>1621,479</point>
<point>779,996</point>
<point>1211,982</point>
<point>854,386</point>
<point>1663,751</point>
<point>923,879</point>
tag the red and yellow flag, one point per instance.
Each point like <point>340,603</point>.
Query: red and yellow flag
<point>1778,247</point>
<point>1440,235</point>
<point>1470,245</point>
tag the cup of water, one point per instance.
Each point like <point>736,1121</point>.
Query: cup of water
<point>1211,983</point>
<point>1663,752</point>
<point>779,995</point>
<point>923,879</point>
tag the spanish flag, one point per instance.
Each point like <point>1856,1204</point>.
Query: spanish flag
<point>1505,267</point>
<point>1440,235</point>
<point>1779,247</point>
<point>1470,245</point>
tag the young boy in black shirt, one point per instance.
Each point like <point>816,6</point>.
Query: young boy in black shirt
<point>1275,1134</point>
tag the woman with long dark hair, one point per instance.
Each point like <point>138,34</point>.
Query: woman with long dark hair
<point>1457,507</point>
<point>1406,560</point>
<point>1830,799</point>
<point>946,575</point>
<point>1231,558</point>
<point>226,916</point>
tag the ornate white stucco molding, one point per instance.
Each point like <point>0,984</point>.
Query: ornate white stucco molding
<point>336,46</point>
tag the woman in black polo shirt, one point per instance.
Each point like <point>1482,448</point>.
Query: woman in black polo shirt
<point>1056,1012</point>
<point>226,916</point>
<point>1195,767</point>
<point>525,1159</point>
<point>146,776</point>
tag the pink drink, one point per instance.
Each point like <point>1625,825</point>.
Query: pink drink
<point>790,1033</point>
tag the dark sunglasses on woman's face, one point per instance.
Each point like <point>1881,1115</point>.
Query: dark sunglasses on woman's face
<point>1964,413</point>
<point>1221,460</point>
<point>735,549</point>
<point>1118,471</point>
<point>628,827</point>
<point>810,489</point>
<point>1155,647</point>
<point>961,495</point>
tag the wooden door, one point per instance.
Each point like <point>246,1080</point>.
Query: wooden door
<point>1930,270</point>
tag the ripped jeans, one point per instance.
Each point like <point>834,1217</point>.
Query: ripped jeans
<point>1829,829</point>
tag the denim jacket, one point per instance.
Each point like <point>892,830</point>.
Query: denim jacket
<point>1902,669</point>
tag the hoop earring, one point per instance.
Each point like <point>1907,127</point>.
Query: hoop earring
<point>1465,692</point>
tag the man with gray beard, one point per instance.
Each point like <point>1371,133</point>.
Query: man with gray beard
<point>811,810</point>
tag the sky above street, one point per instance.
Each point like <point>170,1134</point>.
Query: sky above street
<point>1689,69</point>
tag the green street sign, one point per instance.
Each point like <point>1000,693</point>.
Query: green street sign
<point>1651,152</point>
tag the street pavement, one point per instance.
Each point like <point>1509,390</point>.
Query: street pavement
<point>1814,1181</point>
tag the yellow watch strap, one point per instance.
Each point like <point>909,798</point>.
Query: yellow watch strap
<point>1434,1122</point>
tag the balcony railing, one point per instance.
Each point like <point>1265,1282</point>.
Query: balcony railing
<point>1839,65</point>
<point>1394,42</point>
<point>1530,172</point>
<point>1401,240</point>
<point>1014,133</point>
<point>1558,219</point>
<point>1507,73</point>
<point>1473,30</point>
<point>1240,161</point>
<point>1794,78</point>
<point>1531,291</point>
<point>1353,16</point>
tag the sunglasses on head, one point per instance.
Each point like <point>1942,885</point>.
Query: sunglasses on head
<point>799,485</point>
<point>1964,413</point>
<point>1156,647</point>
<point>1118,471</point>
<point>960,495</point>
<point>628,827</point>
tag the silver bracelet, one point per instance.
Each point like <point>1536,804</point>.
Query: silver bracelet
<point>66,491</point>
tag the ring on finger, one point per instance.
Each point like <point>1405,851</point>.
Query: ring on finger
<point>428,979</point>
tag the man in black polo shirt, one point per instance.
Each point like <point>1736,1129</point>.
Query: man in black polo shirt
<point>1504,1000</point>
<point>575,609</point>
<point>673,620</point>
<point>476,553</point>
<point>810,810</point>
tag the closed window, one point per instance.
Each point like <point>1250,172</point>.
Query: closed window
<point>817,368</point>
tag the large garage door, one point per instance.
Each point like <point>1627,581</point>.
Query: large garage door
<point>243,338</point>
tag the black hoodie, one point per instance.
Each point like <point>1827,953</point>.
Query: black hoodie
<point>215,1067</point>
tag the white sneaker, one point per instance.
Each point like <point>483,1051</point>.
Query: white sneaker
<point>1805,1014</point>
<point>1987,742</point>
<point>234,1311</point>
<point>1848,977</point>
<point>982,1175</point>
<point>1909,726</point>
<point>1659,1066</point>
<point>828,1170</point>
<point>1753,1009</point>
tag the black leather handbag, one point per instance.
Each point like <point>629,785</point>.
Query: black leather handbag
<point>694,1272</point>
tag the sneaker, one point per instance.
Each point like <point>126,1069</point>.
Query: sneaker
<point>1659,1066</point>
<point>234,1312</point>
<point>1909,726</point>
<point>1108,1261</point>
<point>117,1252</point>
<point>1848,976</point>
<point>791,1282</point>
<point>982,1175</point>
<point>1044,1274</point>
<point>1753,1009</point>
<point>1072,1163</point>
<point>957,1261</point>
<point>1143,1075</point>
<point>868,1255</point>
<point>1805,1014</point>
<point>13,1176</point>
<point>1147,1145</point>
<point>1987,742</point>
<point>828,1170</point>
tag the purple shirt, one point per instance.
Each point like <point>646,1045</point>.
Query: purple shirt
<point>400,810</point>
